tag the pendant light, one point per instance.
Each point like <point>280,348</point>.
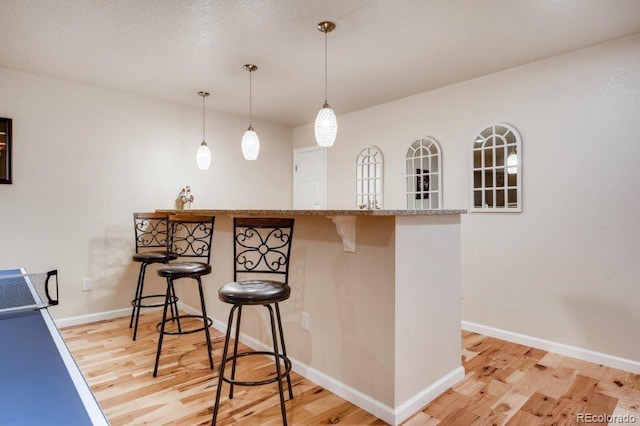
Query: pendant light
<point>326,126</point>
<point>250,141</point>
<point>512,163</point>
<point>203,156</point>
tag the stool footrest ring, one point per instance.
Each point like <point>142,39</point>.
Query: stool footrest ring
<point>285,373</point>
<point>180,317</point>
<point>138,302</point>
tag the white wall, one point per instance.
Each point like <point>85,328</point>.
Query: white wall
<point>565,269</point>
<point>86,158</point>
<point>427,303</point>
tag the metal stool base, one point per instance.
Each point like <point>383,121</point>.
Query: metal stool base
<point>180,317</point>
<point>278,340</point>
<point>137,302</point>
<point>206,321</point>
<point>285,373</point>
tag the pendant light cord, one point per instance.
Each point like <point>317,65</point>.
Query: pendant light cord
<point>203,118</point>
<point>250,102</point>
<point>325,67</point>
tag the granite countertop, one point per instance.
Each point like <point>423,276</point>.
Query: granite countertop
<point>319,212</point>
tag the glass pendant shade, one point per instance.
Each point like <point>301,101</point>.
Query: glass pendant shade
<point>250,144</point>
<point>326,127</point>
<point>203,156</point>
<point>512,164</point>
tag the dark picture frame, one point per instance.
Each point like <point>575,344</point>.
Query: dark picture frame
<point>5,150</point>
<point>422,184</point>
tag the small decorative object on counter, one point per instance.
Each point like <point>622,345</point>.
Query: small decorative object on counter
<point>371,205</point>
<point>185,198</point>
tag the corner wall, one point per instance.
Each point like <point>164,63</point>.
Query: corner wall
<point>86,158</point>
<point>565,269</point>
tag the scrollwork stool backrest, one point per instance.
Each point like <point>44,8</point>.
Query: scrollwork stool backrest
<point>262,245</point>
<point>151,230</point>
<point>191,236</point>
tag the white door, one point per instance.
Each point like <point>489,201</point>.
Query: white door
<point>309,178</point>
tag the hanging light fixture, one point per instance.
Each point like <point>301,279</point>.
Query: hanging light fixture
<point>250,141</point>
<point>512,163</point>
<point>326,126</point>
<point>203,156</point>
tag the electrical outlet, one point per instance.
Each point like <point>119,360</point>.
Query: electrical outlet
<point>305,320</point>
<point>86,284</point>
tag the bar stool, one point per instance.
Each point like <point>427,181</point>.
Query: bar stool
<point>261,246</point>
<point>190,237</point>
<point>151,231</point>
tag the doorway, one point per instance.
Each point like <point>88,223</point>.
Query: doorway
<point>310,178</point>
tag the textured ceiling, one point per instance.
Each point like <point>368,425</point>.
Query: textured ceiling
<point>381,50</point>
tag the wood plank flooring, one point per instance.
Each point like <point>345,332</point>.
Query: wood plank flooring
<point>119,372</point>
<point>505,383</point>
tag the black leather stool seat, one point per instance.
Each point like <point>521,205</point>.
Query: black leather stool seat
<point>184,270</point>
<point>160,256</point>
<point>254,292</point>
<point>154,257</point>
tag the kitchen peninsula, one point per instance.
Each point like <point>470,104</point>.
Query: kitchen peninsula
<point>382,292</point>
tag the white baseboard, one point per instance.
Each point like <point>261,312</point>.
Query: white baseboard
<point>559,348</point>
<point>189,309</point>
<point>424,397</point>
<point>85,319</point>
<point>100,316</point>
<point>367,403</point>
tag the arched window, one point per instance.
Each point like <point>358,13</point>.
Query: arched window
<point>369,168</point>
<point>424,175</point>
<point>496,180</point>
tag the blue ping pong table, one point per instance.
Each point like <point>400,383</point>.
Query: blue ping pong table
<point>40,383</point>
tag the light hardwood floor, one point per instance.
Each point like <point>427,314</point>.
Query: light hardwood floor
<point>511,384</point>
<point>505,383</point>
